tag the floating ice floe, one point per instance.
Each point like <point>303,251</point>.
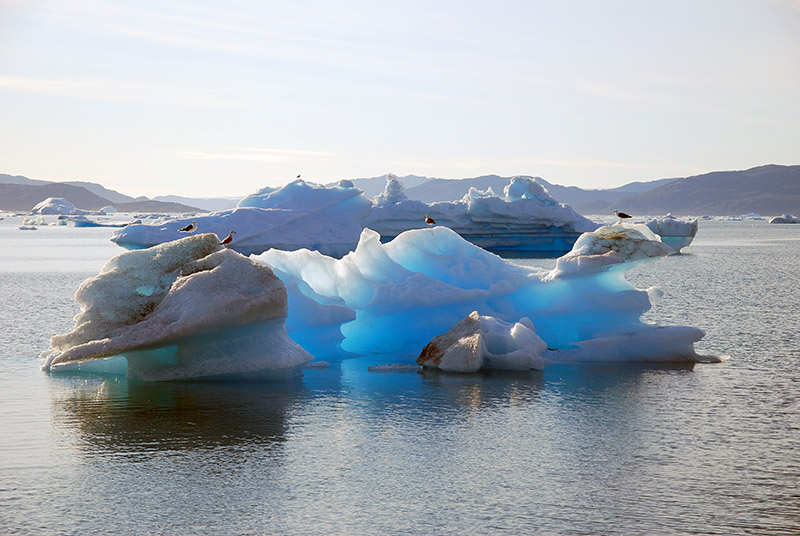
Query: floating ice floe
<point>394,298</point>
<point>56,205</point>
<point>180,310</point>
<point>675,233</point>
<point>526,221</point>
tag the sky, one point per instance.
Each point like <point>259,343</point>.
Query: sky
<point>208,99</point>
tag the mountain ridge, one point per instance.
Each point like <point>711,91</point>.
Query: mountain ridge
<point>771,189</point>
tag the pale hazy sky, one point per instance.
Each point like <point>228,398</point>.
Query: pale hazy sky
<point>221,98</point>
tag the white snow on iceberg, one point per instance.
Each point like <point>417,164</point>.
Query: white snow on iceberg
<point>183,310</point>
<point>394,298</point>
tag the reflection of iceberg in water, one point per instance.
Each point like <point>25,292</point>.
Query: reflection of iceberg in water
<point>185,309</point>
<point>121,417</point>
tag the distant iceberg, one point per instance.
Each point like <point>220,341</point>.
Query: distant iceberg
<point>56,205</point>
<point>299,215</point>
<point>675,233</point>
<point>186,309</point>
<point>394,298</point>
<point>786,218</point>
<point>526,221</point>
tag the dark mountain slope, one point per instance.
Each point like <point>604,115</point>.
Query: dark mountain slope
<point>23,197</point>
<point>767,190</point>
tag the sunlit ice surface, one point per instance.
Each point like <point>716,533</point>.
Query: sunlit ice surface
<point>394,298</point>
<point>192,309</point>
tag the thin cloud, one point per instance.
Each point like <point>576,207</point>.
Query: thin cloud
<point>521,163</point>
<point>118,91</point>
<point>253,154</point>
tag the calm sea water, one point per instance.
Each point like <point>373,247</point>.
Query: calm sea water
<point>607,449</point>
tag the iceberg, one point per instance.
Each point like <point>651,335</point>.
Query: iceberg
<point>786,218</point>
<point>526,221</point>
<point>185,309</point>
<point>299,215</point>
<point>395,297</point>
<point>673,232</point>
<point>479,342</point>
<point>56,205</point>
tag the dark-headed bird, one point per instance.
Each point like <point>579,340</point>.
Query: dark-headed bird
<point>191,228</point>
<point>621,215</point>
<point>430,221</point>
<point>228,239</point>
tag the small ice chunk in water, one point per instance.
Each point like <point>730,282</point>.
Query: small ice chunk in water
<point>674,232</point>
<point>479,342</point>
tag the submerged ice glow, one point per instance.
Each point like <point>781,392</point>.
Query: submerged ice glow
<point>394,298</point>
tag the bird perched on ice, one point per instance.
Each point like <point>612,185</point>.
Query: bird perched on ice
<point>430,221</point>
<point>191,228</point>
<point>621,215</point>
<point>228,239</point>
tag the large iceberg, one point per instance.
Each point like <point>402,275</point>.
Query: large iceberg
<point>525,221</point>
<point>299,215</point>
<point>674,232</point>
<point>394,298</point>
<point>182,310</point>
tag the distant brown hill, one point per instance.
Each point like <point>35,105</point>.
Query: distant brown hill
<point>23,197</point>
<point>150,205</point>
<point>767,190</point>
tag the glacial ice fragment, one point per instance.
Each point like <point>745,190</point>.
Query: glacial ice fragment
<point>299,215</point>
<point>675,233</point>
<point>394,298</point>
<point>479,342</point>
<point>184,309</point>
<point>56,205</point>
<point>524,221</point>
